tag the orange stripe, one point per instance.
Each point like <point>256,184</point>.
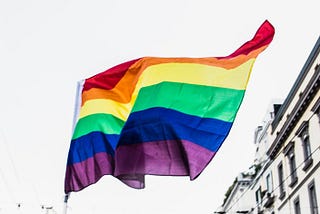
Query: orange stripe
<point>123,90</point>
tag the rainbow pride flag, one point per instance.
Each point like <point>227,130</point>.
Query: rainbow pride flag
<point>158,116</point>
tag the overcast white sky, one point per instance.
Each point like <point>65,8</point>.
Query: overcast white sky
<point>47,46</point>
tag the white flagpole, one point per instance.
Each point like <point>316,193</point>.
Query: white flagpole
<point>77,104</point>
<point>65,203</point>
<point>75,118</point>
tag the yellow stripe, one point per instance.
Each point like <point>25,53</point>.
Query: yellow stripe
<point>119,110</point>
<point>123,90</point>
<point>200,74</point>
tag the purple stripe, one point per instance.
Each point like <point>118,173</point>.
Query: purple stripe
<point>179,158</point>
<point>85,173</point>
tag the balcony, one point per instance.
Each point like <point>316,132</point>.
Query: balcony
<point>269,200</point>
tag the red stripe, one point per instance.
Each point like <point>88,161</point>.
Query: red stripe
<point>110,78</point>
<point>263,37</point>
<point>112,75</point>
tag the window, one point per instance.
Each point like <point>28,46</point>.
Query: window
<point>269,200</point>
<point>258,196</point>
<point>303,133</point>
<point>289,152</point>
<point>313,198</point>
<point>293,172</point>
<point>269,183</point>
<point>306,145</point>
<point>296,206</point>
<point>281,181</point>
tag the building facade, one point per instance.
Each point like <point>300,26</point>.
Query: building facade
<point>286,176</point>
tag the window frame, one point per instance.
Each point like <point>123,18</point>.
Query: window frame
<point>313,198</point>
<point>303,134</point>
<point>290,154</point>
<point>269,182</point>
<point>296,205</point>
<point>258,194</point>
<point>281,181</point>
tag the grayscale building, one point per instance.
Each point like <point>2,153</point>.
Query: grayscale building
<point>285,175</point>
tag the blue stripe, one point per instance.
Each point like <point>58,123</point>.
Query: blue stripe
<point>155,124</point>
<point>158,124</point>
<point>88,145</point>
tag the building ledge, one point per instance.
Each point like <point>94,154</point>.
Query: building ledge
<point>307,164</point>
<point>282,195</point>
<point>294,181</point>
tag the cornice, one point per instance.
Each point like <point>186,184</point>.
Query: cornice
<point>306,68</point>
<point>292,119</point>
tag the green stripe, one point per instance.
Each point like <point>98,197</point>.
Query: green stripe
<point>197,100</point>
<point>105,123</point>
